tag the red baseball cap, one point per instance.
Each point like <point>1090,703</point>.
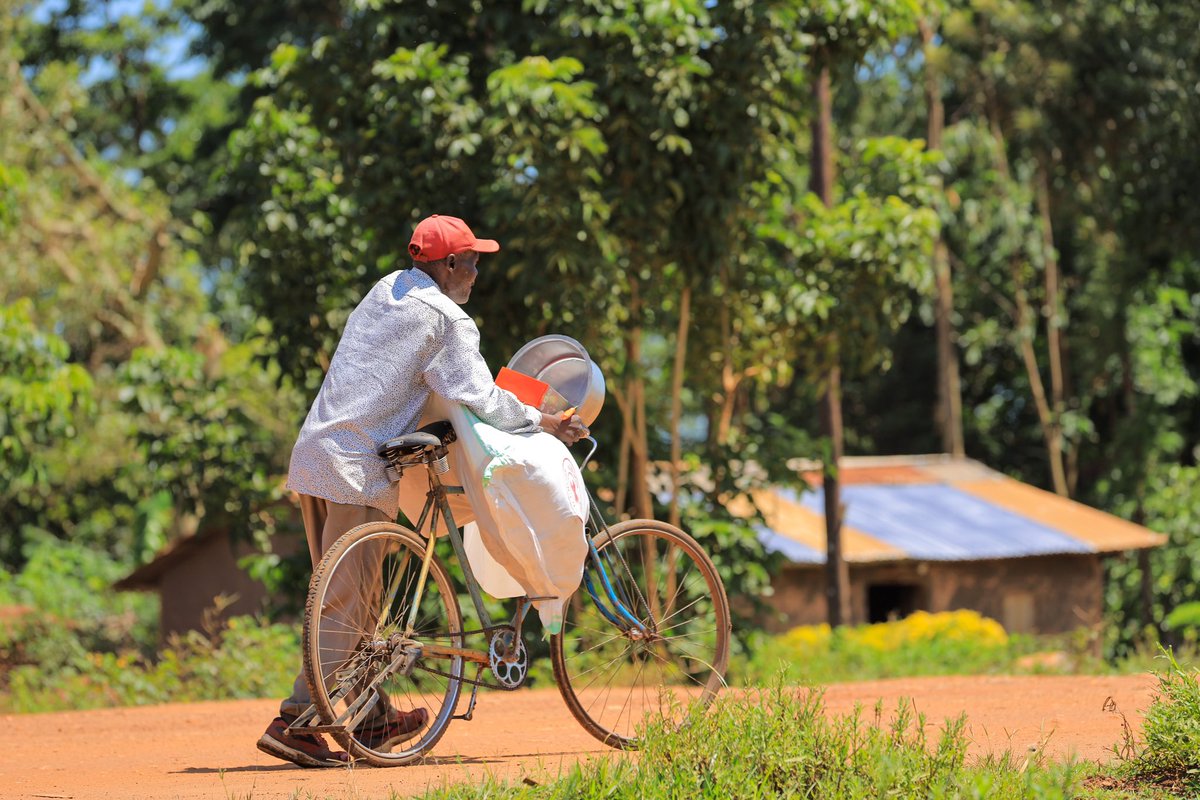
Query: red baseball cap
<point>438,236</point>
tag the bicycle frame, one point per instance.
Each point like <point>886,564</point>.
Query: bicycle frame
<point>436,505</point>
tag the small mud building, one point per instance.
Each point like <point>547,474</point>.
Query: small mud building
<point>935,533</point>
<point>190,573</point>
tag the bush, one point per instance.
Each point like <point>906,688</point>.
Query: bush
<point>1170,752</point>
<point>920,644</point>
<point>1185,617</point>
<point>69,608</point>
<point>243,657</point>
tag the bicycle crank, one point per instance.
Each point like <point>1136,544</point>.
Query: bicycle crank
<point>499,642</point>
<point>508,658</point>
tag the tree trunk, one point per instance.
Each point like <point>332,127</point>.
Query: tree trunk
<point>685,313</point>
<point>837,573</point>
<point>719,434</point>
<point>821,161</point>
<point>681,339</point>
<point>1051,432</point>
<point>949,403</point>
<point>1053,319</point>
<point>622,470</point>
<point>821,183</point>
<point>1025,328</point>
<point>639,461</point>
<point>949,392</point>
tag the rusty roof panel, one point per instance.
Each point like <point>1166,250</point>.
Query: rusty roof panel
<point>855,475</point>
<point>1104,532</point>
<point>787,546</point>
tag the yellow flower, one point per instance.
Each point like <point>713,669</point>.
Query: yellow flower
<point>807,640</point>
<point>963,625</point>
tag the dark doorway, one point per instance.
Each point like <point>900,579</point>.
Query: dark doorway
<point>888,601</point>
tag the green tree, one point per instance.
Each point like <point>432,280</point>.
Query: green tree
<point>842,32</point>
<point>614,149</point>
<point>131,411</point>
<point>41,398</point>
<point>1064,196</point>
<point>131,89</point>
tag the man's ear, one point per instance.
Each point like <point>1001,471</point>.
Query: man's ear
<point>450,261</point>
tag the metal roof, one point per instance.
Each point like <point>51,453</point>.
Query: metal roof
<point>937,508</point>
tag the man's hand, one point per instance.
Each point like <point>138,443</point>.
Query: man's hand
<point>567,429</point>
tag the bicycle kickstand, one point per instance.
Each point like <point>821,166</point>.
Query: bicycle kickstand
<point>470,712</point>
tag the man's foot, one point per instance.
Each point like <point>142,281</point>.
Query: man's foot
<point>398,726</point>
<point>306,750</point>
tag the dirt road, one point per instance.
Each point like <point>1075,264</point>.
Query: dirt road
<point>206,750</point>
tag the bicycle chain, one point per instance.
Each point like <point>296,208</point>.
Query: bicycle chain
<point>490,631</point>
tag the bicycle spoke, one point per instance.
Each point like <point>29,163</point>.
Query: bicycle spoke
<point>608,663</point>
<point>614,637</point>
<point>680,611</point>
<point>629,695</point>
<point>681,583</point>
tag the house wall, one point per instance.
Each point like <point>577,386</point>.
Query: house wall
<point>1046,594</point>
<point>191,586</point>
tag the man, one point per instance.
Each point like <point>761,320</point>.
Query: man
<point>406,340</point>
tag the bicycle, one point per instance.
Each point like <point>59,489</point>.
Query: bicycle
<point>383,625</point>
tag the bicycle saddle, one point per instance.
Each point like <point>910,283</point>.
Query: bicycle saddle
<point>435,434</point>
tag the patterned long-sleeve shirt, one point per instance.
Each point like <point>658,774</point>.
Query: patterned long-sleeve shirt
<point>405,340</point>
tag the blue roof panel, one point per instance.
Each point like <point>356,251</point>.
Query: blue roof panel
<point>935,522</point>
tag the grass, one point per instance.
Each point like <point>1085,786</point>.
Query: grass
<point>1170,752</point>
<point>779,742</point>
<point>44,667</point>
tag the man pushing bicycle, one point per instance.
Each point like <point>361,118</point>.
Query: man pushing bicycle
<point>406,340</point>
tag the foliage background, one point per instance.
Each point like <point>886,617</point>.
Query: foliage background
<point>193,196</point>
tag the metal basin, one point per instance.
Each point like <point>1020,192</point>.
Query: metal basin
<point>565,364</point>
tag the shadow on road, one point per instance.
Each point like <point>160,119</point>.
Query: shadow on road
<point>433,761</point>
<point>499,758</point>
<point>246,768</point>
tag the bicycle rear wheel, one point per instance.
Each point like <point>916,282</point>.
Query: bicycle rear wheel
<point>363,661</point>
<point>613,681</point>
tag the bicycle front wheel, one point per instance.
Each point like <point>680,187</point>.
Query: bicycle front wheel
<point>364,658</point>
<point>615,680</point>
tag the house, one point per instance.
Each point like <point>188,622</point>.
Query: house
<point>936,533</point>
<point>194,570</point>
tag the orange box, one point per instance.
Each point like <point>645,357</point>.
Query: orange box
<point>528,390</point>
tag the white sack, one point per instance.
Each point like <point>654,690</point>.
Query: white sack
<point>530,507</point>
<point>491,575</point>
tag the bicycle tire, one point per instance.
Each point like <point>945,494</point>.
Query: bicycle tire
<point>347,627</point>
<point>706,622</point>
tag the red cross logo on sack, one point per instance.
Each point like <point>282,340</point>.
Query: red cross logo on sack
<point>571,473</point>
